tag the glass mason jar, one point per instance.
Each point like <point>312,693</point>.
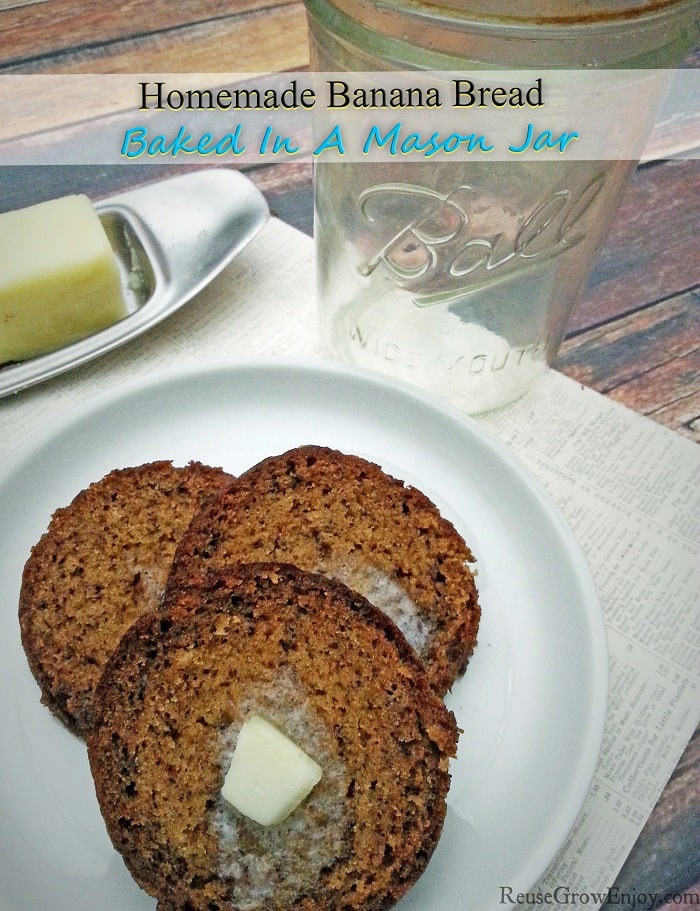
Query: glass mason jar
<point>461,275</point>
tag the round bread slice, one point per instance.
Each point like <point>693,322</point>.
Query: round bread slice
<point>335,676</point>
<point>341,515</point>
<point>103,560</point>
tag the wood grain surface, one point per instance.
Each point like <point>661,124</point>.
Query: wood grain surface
<point>59,36</point>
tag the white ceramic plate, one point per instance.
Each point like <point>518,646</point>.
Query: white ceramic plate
<point>532,704</point>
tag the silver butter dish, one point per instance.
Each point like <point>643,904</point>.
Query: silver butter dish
<point>171,238</point>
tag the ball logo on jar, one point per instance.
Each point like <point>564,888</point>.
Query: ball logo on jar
<point>439,246</point>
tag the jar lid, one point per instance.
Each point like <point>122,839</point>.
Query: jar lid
<point>446,34</point>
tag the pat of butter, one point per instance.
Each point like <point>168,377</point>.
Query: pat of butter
<point>269,775</point>
<point>59,277</point>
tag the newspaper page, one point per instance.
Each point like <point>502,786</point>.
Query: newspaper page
<point>629,489</point>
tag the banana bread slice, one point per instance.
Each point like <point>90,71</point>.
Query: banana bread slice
<point>341,515</point>
<point>103,560</point>
<point>336,676</point>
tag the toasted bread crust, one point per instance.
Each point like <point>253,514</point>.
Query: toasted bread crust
<point>103,560</point>
<point>342,515</point>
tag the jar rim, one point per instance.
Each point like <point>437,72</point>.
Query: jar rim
<point>535,13</point>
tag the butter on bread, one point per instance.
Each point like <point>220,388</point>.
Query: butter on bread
<point>269,774</point>
<point>320,662</point>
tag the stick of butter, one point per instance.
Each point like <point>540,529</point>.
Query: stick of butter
<point>59,278</point>
<point>269,775</point>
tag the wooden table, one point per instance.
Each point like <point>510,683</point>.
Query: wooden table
<point>634,337</point>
